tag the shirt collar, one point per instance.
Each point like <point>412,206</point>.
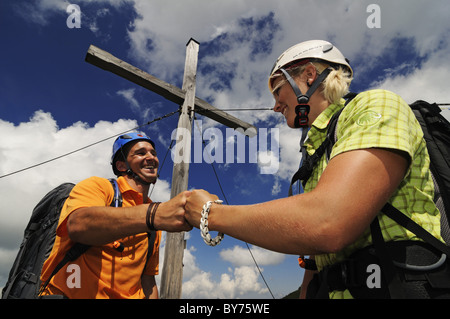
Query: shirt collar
<point>318,129</point>
<point>123,185</point>
<point>324,118</point>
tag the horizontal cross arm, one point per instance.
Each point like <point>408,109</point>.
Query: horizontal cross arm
<point>108,62</point>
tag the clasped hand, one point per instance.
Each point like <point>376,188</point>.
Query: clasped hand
<point>183,211</point>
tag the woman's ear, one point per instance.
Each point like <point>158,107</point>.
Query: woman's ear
<point>310,73</point>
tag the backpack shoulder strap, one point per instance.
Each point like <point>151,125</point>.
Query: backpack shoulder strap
<point>332,133</point>
<point>117,200</point>
<point>151,242</point>
<point>406,222</point>
<point>309,162</point>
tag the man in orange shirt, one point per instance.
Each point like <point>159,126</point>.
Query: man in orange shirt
<point>104,271</point>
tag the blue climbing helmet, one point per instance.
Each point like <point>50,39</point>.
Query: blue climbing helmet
<point>123,140</point>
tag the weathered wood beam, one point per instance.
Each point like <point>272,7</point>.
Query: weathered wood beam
<point>108,62</point>
<point>172,273</point>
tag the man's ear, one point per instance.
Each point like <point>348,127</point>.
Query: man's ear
<point>121,166</point>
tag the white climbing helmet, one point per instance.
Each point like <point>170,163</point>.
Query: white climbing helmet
<point>313,49</point>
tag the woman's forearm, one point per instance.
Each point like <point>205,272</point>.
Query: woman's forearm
<point>278,225</point>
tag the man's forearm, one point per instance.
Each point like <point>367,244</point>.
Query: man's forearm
<point>102,225</point>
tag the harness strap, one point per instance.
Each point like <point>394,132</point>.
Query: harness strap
<point>305,171</point>
<point>387,265</point>
<point>302,109</point>
<point>412,226</point>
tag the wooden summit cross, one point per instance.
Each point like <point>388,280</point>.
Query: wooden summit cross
<point>172,273</point>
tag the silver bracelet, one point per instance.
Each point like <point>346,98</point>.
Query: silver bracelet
<point>204,231</point>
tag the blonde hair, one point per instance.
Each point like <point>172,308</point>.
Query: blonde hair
<point>333,88</point>
<point>336,85</point>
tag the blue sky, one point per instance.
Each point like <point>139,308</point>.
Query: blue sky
<point>53,102</point>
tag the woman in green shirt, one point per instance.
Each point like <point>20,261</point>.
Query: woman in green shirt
<point>380,156</point>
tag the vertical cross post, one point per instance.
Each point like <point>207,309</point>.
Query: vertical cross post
<point>172,273</point>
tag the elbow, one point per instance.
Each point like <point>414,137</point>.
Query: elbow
<point>334,245</point>
<point>75,227</point>
<point>332,239</point>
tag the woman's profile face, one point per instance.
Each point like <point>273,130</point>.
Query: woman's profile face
<point>286,100</point>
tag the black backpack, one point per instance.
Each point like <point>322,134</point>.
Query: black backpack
<point>436,131</point>
<point>39,237</point>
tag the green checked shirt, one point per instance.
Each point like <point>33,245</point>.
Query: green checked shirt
<point>380,119</point>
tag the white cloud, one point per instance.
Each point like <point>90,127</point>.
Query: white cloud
<point>240,256</point>
<point>245,281</point>
<point>39,11</point>
<point>240,281</point>
<point>276,188</point>
<point>290,155</point>
<point>429,82</point>
<point>200,285</point>
<point>237,283</point>
<point>141,111</point>
<point>129,96</point>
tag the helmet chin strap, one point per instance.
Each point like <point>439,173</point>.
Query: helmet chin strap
<point>303,108</point>
<point>133,175</point>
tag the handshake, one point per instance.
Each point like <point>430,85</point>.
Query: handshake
<point>183,212</point>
